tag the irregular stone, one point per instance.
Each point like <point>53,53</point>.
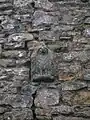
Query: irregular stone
<point>0,50</point>
<point>14,54</point>
<point>23,61</point>
<point>87,20</point>
<point>8,24</point>
<point>7,87</point>
<point>67,97</point>
<point>41,17</point>
<point>45,4</point>
<point>6,12</point>
<point>69,118</point>
<point>88,84</point>
<point>82,111</point>
<point>3,40</point>
<point>29,89</point>
<point>1,117</point>
<point>24,18</point>
<point>76,98</point>
<point>21,73</point>
<point>42,65</point>
<point>70,71</point>
<point>14,45</point>
<point>6,1</point>
<point>5,108</point>
<point>7,62</point>
<point>63,109</point>
<point>17,100</point>
<point>86,32</point>
<point>6,6</point>
<point>42,114</point>
<point>19,114</point>
<point>46,97</point>
<point>81,55</point>
<point>3,74</point>
<point>65,38</point>
<point>20,37</point>
<point>87,77</point>
<point>21,3</point>
<point>86,74</point>
<point>57,46</point>
<point>48,35</point>
<point>73,85</point>
<point>68,57</point>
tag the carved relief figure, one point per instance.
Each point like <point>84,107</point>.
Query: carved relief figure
<point>42,66</point>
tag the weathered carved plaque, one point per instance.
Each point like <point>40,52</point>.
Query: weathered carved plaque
<point>42,66</point>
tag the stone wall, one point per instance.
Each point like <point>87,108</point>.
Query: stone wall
<point>63,26</point>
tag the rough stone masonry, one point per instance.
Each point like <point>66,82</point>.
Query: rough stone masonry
<point>44,59</point>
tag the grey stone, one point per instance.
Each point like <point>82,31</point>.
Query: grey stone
<point>0,50</point>
<point>23,17</point>
<point>66,97</point>
<point>43,114</point>
<point>83,57</point>
<point>86,32</point>
<point>21,73</point>
<point>14,54</point>
<point>7,62</point>
<point>7,87</point>
<point>68,118</point>
<point>19,114</point>
<point>73,85</point>
<point>82,111</point>
<point>63,109</point>
<point>68,56</point>
<point>6,6</point>
<point>15,45</point>
<point>45,4</point>
<point>3,74</point>
<point>17,100</point>
<point>22,61</point>
<point>87,76</point>
<point>46,97</point>
<point>48,35</point>
<point>57,46</point>
<point>41,17</point>
<point>87,20</point>
<point>80,55</point>
<point>5,1</point>
<point>21,3</point>
<point>20,37</point>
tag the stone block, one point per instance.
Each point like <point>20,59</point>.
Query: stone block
<point>73,85</point>
<point>14,54</point>
<point>19,114</point>
<point>46,98</point>
<point>76,98</point>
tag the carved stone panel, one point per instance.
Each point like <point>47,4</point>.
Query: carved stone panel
<point>42,66</point>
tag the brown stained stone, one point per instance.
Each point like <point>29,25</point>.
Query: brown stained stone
<point>70,77</point>
<point>82,97</point>
<point>76,98</point>
<point>43,113</point>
